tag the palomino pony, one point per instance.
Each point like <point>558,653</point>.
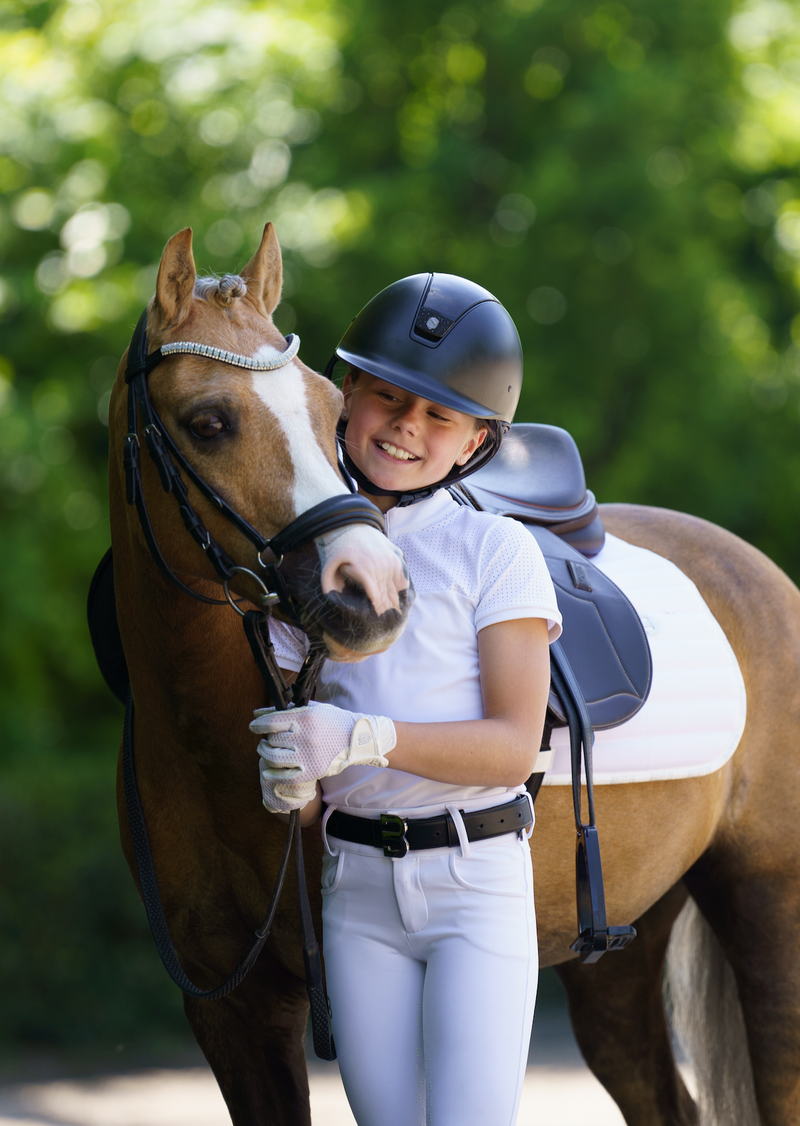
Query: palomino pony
<point>717,850</point>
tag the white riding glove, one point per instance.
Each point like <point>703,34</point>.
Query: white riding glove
<point>318,741</point>
<point>283,797</point>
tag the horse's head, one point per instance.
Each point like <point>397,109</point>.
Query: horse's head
<point>264,441</point>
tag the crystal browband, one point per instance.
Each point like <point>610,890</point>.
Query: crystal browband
<point>192,348</point>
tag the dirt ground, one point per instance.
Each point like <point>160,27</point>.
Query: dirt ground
<point>558,1088</point>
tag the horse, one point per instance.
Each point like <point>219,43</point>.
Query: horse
<point>261,443</point>
<point>710,858</point>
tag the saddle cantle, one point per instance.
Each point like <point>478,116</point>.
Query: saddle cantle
<point>538,479</point>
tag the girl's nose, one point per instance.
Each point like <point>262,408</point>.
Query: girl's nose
<point>408,416</point>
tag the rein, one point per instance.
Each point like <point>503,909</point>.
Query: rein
<point>335,512</point>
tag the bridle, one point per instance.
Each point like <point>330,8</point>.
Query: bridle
<point>334,512</point>
<point>328,515</point>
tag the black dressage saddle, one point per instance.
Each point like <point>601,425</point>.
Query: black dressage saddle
<point>536,478</point>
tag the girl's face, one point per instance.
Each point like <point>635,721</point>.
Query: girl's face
<point>401,441</point>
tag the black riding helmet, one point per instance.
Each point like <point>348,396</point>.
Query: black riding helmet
<point>448,340</point>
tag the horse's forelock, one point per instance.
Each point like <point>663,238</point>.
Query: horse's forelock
<point>224,289</point>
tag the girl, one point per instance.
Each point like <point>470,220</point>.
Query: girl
<point>428,918</point>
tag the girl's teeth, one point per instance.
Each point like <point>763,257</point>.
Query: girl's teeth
<point>393,451</point>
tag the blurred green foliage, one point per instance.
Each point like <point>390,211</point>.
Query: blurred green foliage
<point>623,176</point>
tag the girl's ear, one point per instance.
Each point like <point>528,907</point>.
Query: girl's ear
<point>347,391</point>
<point>477,440</point>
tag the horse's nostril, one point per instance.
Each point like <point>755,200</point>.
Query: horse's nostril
<point>351,596</point>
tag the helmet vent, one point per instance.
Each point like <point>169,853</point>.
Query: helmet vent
<point>432,324</point>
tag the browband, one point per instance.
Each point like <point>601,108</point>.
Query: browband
<point>191,347</point>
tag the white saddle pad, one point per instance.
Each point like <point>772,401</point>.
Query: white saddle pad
<point>694,716</point>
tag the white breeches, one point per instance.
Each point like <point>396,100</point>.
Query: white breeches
<point>432,966</point>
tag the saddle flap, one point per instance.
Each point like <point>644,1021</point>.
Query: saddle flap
<point>603,638</point>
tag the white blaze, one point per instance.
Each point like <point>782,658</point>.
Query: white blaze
<point>284,392</point>
<point>356,550</point>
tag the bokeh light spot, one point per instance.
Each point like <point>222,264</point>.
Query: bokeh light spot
<point>546,305</point>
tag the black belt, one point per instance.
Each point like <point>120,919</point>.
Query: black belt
<point>396,835</point>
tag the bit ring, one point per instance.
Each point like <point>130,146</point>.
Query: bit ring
<point>267,598</point>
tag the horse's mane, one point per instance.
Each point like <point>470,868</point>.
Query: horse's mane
<point>223,290</point>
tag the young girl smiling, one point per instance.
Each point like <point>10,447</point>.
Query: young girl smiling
<point>423,751</point>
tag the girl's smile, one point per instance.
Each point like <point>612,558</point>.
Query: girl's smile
<point>401,441</point>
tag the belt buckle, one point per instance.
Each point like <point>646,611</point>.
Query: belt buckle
<point>393,836</point>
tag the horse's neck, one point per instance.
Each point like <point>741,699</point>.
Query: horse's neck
<point>190,663</point>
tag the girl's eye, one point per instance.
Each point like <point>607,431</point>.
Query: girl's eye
<point>207,426</point>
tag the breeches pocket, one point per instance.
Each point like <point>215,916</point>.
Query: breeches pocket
<point>332,867</point>
<point>499,867</point>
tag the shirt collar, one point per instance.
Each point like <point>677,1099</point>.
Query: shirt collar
<point>415,517</point>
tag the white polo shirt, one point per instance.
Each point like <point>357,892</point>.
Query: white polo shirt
<point>470,570</point>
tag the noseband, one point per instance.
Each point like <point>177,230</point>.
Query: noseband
<point>335,512</point>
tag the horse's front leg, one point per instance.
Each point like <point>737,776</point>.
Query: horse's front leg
<point>253,1041</point>
<point>617,1012</point>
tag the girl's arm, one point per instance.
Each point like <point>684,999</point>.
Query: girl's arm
<point>500,749</point>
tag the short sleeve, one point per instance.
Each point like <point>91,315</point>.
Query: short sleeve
<point>514,580</point>
<point>290,645</point>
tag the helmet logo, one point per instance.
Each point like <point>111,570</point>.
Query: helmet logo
<point>432,324</point>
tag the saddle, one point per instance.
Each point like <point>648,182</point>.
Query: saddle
<point>601,672</point>
<point>537,478</point>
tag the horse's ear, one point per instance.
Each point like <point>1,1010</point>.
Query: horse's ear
<point>264,271</point>
<point>176,278</point>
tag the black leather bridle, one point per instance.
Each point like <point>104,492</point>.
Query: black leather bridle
<point>335,512</point>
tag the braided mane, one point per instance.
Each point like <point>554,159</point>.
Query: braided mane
<point>223,290</point>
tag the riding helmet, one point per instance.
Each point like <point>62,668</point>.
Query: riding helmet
<point>448,340</point>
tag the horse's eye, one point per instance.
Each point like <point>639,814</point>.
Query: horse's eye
<point>207,426</point>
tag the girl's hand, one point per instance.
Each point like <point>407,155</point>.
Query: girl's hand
<point>318,741</point>
<point>283,796</point>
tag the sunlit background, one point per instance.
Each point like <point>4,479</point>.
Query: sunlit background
<point>623,177</point>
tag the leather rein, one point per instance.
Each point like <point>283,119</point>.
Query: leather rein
<point>335,512</point>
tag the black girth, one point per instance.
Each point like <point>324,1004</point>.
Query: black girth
<point>335,512</point>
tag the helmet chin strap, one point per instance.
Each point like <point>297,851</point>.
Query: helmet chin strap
<point>404,499</point>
